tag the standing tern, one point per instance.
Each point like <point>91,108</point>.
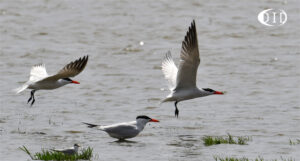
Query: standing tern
<point>125,130</point>
<point>182,81</point>
<point>69,151</point>
<point>40,80</point>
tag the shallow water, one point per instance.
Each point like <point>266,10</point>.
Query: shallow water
<point>257,66</point>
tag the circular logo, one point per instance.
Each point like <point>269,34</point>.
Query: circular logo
<point>272,17</point>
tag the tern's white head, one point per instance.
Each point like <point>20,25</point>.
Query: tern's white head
<point>142,120</point>
<point>65,81</point>
<point>76,146</point>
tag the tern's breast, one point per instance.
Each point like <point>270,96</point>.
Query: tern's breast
<point>46,86</point>
<point>186,94</point>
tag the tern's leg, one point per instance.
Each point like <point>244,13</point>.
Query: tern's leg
<point>120,140</point>
<point>176,110</point>
<point>31,97</point>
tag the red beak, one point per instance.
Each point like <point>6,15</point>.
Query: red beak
<point>75,82</point>
<point>153,120</point>
<point>218,92</point>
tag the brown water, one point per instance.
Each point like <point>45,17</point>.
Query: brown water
<point>257,66</point>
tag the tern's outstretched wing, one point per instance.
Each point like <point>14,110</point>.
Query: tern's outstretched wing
<point>169,70</point>
<point>38,72</point>
<point>189,60</point>
<point>70,70</point>
<point>73,68</point>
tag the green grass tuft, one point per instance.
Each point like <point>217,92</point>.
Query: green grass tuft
<point>229,139</point>
<point>85,154</point>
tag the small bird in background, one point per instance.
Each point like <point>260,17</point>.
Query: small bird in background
<point>125,130</point>
<point>69,151</point>
<point>40,80</point>
<point>182,81</point>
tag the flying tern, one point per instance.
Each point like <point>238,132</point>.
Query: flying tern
<point>40,80</point>
<point>182,80</point>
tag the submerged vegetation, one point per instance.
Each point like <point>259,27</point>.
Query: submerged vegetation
<point>85,154</point>
<point>246,159</point>
<point>229,139</point>
<point>297,141</point>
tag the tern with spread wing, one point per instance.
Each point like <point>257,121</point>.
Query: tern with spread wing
<point>69,151</point>
<point>182,81</point>
<point>40,80</point>
<point>125,130</point>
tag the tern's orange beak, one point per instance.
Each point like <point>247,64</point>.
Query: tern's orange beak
<point>218,92</point>
<point>153,120</point>
<point>75,82</point>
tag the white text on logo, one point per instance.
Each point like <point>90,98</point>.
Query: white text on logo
<point>272,17</point>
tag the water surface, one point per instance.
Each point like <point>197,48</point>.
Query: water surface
<point>257,66</point>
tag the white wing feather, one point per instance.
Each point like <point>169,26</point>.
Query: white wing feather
<point>169,70</point>
<point>37,73</point>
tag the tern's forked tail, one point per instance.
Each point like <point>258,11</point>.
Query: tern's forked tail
<point>168,99</point>
<point>20,89</point>
<point>90,125</point>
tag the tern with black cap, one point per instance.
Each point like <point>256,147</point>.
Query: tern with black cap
<point>182,80</point>
<point>125,130</point>
<point>40,80</point>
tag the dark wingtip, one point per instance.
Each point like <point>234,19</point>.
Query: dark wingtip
<point>190,38</point>
<point>81,62</point>
<point>193,26</point>
<point>193,22</point>
<point>86,57</point>
<point>90,125</point>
